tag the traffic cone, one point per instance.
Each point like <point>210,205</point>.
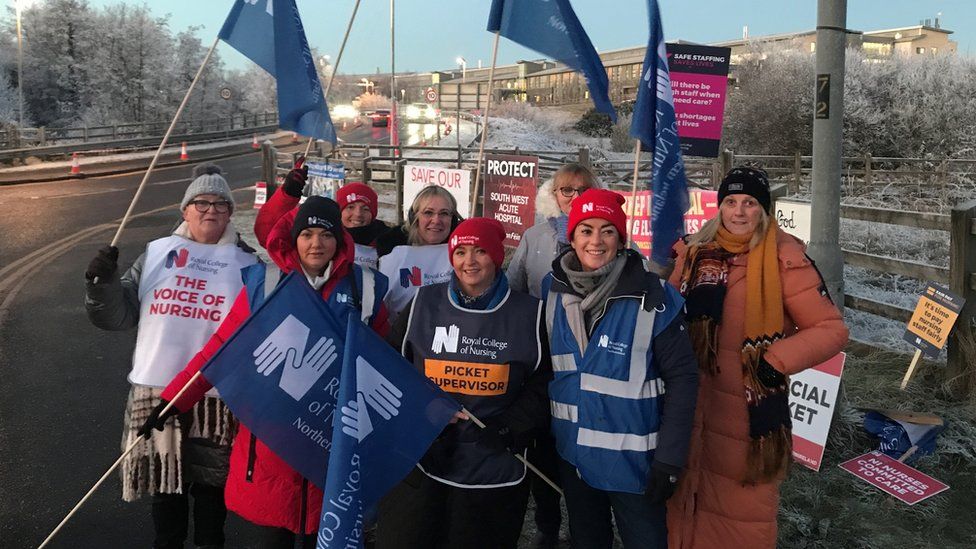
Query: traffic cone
<point>183,156</point>
<point>75,166</point>
<point>254,143</point>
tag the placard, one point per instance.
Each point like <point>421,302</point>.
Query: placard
<point>457,182</point>
<point>794,217</point>
<point>699,80</point>
<point>894,477</point>
<point>260,194</point>
<point>936,312</point>
<point>325,178</point>
<point>813,397</point>
<point>510,187</point>
<point>703,205</point>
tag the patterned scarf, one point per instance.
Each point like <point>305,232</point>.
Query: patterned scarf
<point>704,286</point>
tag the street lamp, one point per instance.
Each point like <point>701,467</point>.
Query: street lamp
<point>464,66</point>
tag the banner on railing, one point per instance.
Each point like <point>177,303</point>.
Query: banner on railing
<point>418,176</point>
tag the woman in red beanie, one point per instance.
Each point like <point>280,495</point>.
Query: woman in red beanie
<point>358,203</point>
<point>624,382</point>
<point>483,343</point>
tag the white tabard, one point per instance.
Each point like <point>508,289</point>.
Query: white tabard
<point>185,292</point>
<point>366,256</point>
<point>410,267</point>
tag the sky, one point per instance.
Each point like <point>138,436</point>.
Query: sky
<point>431,34</point>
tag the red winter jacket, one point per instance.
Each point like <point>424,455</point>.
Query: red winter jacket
<point>261,487</point>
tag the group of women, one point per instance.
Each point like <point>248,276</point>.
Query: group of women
<point>659,406</point>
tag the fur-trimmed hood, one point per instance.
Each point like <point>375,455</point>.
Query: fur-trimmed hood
<point>545,200</point>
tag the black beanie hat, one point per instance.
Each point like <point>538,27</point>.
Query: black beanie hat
<point>318,211</point>
<point>750,181</point>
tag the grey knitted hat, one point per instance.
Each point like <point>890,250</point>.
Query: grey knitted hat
<point>207,179</point>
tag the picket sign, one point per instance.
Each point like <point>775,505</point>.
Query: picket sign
<point>928,329</point>
<point>260,194</point>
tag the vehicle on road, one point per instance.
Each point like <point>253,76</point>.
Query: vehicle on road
<point>381,117</point>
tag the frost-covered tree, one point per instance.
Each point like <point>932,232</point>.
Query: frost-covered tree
<point>9,101</point>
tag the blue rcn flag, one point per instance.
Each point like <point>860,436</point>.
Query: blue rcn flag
<point>655,125</point>
<point>270,33</point>
<point>390,414</point>
<point>551,27</point>
<point>279,374</point>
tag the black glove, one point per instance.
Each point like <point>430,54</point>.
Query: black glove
<point>157,419</point>
<point>295,181</point>
<point>499,436</point>
<point>661,483</point>
<point>770,377</point>
<point>104,265</point>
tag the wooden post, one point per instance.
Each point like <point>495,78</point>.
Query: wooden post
<point>42,135</point>
<point>584,157</point>
<point>797,172</point>
<point>962,264</point>
<point>85,134</point>
<point>728,160</point>
<point>398,192</point>
<point>269,166</point>
<point>867,169</point>
<point>367,171</point>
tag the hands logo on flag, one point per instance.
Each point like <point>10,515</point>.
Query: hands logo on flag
<point>373,389</point>
<point>269,7</point>
<point>286,344</point>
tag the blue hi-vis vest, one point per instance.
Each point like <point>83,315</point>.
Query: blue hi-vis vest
<point>606,402</point>
<point>371,286</point>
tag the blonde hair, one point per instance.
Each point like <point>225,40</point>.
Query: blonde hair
<point>574,169</point>
<point>412,224</point>
<point>708,231</point>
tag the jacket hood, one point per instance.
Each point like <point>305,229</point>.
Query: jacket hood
<point>282,250</point>
<point>545,201</point>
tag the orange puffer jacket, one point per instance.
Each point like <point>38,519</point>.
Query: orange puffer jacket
<point>712,508</point>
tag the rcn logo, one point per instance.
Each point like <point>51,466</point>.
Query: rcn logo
<point>268,8</point>
<point>588,207</point>
<point>445,339</point>
<point>177,258</point>
<point>604,341</point>
<point>342,298</point>
<point>302,367</point>
<point>372,391</point>
<point>410,277</point>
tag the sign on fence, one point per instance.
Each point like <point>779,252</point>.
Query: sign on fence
<point>325,178</point>
<point>934,315</point>
<point>703,206</point>
<point>813,396</point>
<point>510,189</point>
<point>794,218</point>
<point>457,182</point>
<point>894,477</point>
<point>699,79</point>
<point>260,194</point>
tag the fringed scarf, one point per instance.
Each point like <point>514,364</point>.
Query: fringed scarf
<point>704,284</point>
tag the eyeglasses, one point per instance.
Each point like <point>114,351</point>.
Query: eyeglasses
<point>221,206</point>
<point>569,192</point>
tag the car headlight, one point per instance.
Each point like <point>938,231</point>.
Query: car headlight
<point>413,112</point>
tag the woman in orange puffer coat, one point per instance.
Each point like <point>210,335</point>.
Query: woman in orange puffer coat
<point>758,312</point>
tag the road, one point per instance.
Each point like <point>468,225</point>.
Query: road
<point>62,381</point>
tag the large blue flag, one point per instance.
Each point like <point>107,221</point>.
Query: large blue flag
<point>390,414</point>
<point>655,124</point>
<point>279,374</point>
<point>270,33</point>
<point>552,28</point>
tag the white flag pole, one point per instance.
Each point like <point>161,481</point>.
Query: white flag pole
<point>394,125</point>
<point>519,457</point>
<point>484,127</point>
<point>633,191</point>
<point>335,67</point>
<point>115,465</point>
<point>162,144</point>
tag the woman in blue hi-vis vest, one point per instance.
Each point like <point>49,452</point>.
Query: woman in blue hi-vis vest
<point>484,344</point>
<point>624,382</point>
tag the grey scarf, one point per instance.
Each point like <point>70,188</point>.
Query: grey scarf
<point>595,286</point>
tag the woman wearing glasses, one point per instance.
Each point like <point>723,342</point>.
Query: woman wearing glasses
<point>177,293</point>
<point>529,266</point>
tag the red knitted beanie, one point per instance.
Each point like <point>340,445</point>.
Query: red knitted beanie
<point>483,232</point>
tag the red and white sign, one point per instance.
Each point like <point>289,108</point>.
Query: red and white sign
<point>813,396</point>
<point>260,194</point>
<point>894,477</point>
<point>510,189</point>
<point>430,94</point>
<point>703,205</point>
<point>418,176</point>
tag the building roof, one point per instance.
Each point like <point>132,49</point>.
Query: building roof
<point>915,27</point>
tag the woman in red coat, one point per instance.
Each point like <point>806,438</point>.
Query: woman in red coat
<point>261,487</point>
<point>758,312</point>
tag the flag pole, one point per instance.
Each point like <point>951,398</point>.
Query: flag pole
<point>162,144</point>
<point>393,125</point>
<point>484,128</point>
<point>633,191</point>
<point>335,67</point>
<point>115,465</point>
<point>519,457</point>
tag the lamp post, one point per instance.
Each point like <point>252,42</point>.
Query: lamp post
<point>464,67</point>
